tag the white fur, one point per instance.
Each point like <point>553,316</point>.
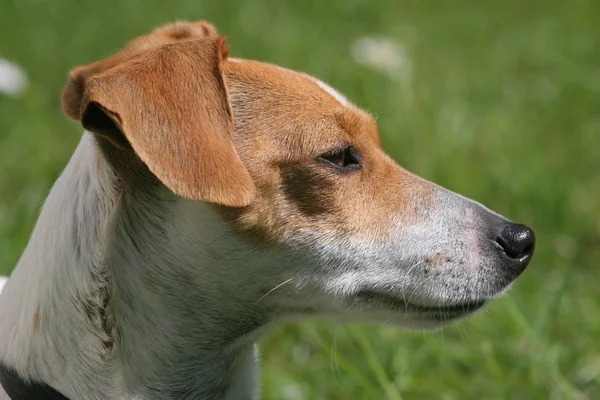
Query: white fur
<point>127,295</point>
<point>50,275</point>
<point>331,91</point>
<point>83,212</point>
<point>340,98</point>
<point>2,282</point>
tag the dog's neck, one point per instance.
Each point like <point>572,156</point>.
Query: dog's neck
<point>114,298</point>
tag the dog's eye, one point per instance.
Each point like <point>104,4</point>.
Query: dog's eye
<point>344,159</point>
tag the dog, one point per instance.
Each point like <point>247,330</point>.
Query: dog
<point>211,198</point>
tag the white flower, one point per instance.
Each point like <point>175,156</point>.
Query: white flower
<point>382,54</point>
<point>13,79</point>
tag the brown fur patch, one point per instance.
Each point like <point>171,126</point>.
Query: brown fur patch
<point>191,97</point>
<point>72,94</point>
<point>436,259</point>
<point>284,121</point>
<point>164,96</point>
<point>309,191</point>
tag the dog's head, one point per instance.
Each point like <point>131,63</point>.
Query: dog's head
<point>299,175</point>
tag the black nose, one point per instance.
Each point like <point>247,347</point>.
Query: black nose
<point>518,242</point>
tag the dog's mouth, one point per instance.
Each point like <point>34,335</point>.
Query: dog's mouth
<point>441,311</point>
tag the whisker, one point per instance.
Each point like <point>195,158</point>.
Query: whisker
<point>405,280</point>
<point>275,288</point>
<point>421,284</point>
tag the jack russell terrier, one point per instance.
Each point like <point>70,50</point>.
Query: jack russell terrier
<point>210,198</point>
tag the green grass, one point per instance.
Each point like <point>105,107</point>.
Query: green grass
<point>502,105</point>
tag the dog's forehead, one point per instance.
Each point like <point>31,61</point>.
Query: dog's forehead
<point>272,76</point>
<point>296,104</point>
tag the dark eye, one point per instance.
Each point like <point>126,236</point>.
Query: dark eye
<point>344,159</point>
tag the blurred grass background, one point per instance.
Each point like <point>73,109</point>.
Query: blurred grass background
<point>497,100</point>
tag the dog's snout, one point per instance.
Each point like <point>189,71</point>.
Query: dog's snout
<point>518,242</point>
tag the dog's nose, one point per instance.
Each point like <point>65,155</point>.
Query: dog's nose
<point>518,243</point>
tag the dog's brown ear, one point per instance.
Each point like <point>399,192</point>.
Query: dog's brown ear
<point>72,94</point>
<point>170,104</point>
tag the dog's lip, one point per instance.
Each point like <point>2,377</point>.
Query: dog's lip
<point>457,308</point>
<point>403,305</point>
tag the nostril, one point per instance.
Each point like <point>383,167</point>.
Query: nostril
<point>528,250</point>
<point>517,241</point>
<point>506,247</point>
